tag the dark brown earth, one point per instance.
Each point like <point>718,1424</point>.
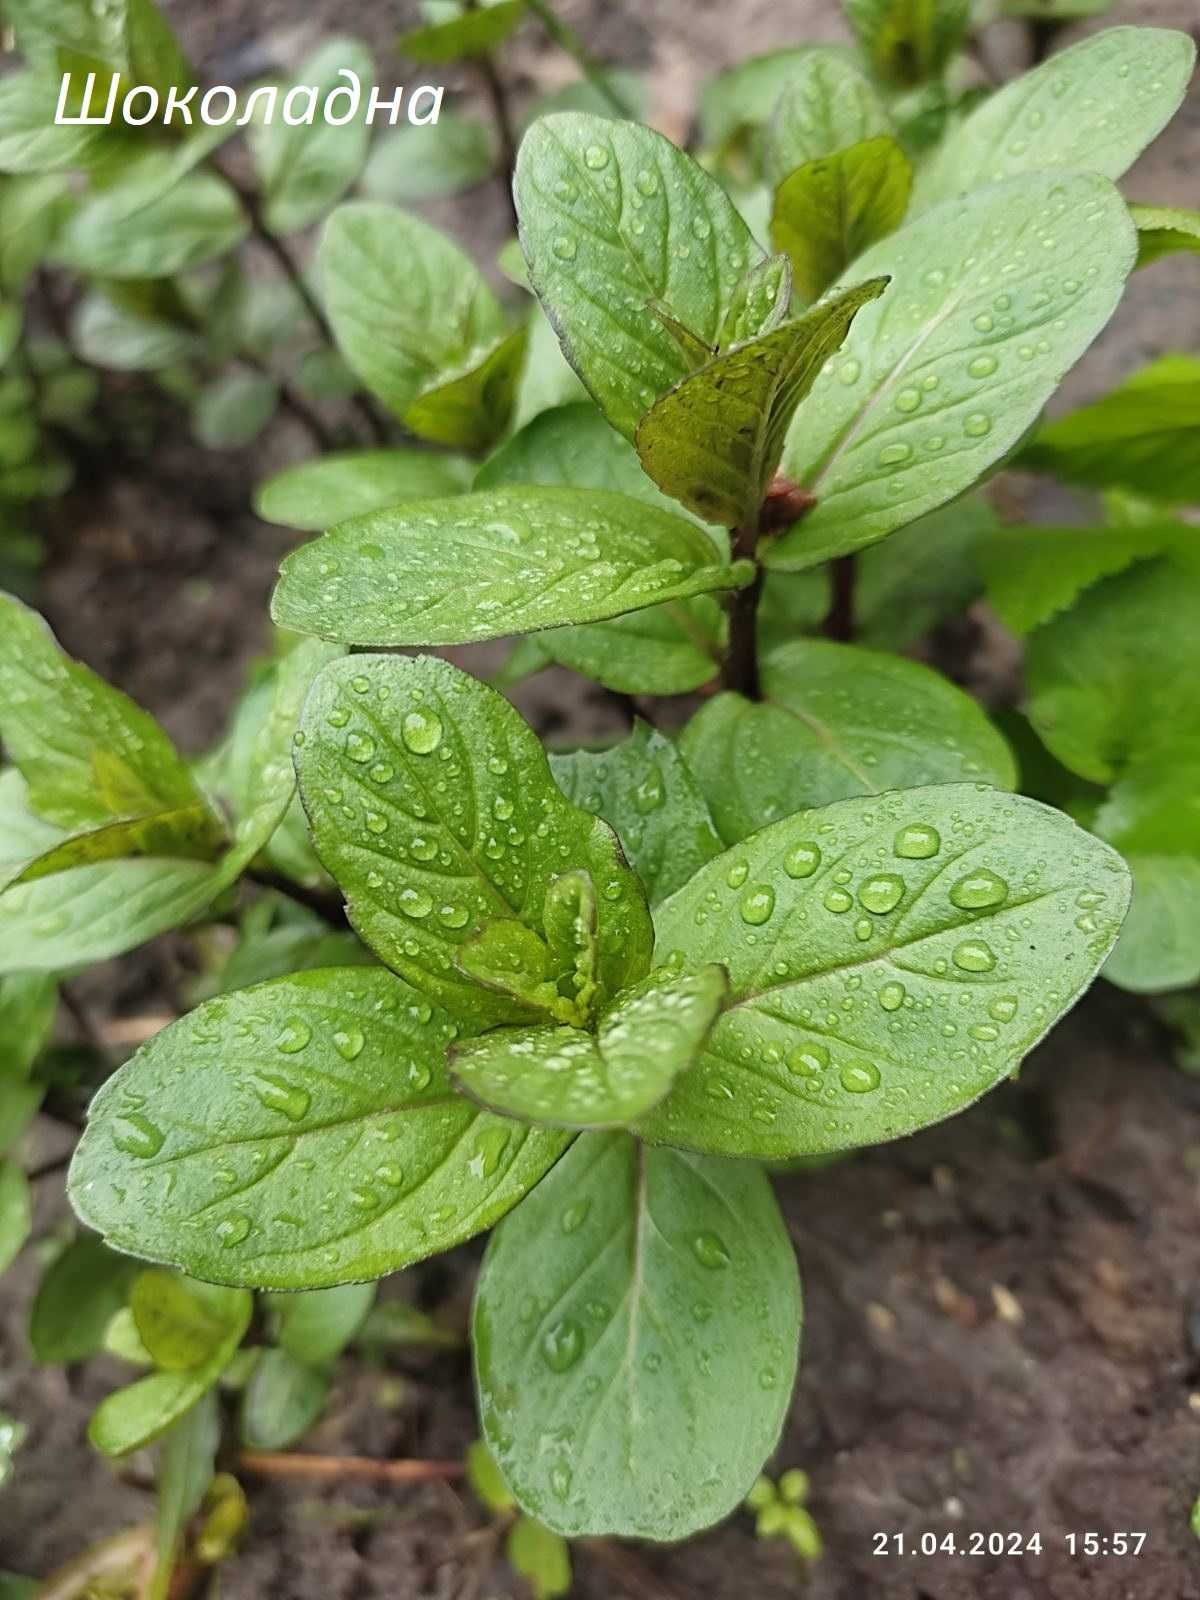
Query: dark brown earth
<point>1003,1314</point>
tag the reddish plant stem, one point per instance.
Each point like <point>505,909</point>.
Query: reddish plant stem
<point>741,662</point>
<point>284,1464</point>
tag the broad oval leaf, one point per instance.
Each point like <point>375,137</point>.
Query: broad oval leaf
<point>180,1324</point>
<point>283,1399</point>
<point>742,98</point>
<point>470,409</point>
<point>81,1292</point>
<point>1092,108</point>
<point>1159,947</point>
<point>113,235</point>
<point>430,162</point>
<point>829,211</point>
<point>1144,436</point>
<point>478,566</point>
<point>891,958</point>
<point>835,721</point>
<point>669,649</point>
<point>316,494</point>
<point>305,167</point>
<point>16,1212</point>
<point>316,1326</point>
<point>87,752</point>
<point>644,791</point>
<point>318,1138</point>
<point>432,805</point>
<point>234,409</point>
<point>31,141</point>
<point>564,1077</point>
<point>612,218</point>
<point>640,1314</point>
<point>992,299</point>
<point>1034,572</point>
<point>827,105</point>
<point>406,305</point>
<point>1104,685</point>
<point>715,439</point>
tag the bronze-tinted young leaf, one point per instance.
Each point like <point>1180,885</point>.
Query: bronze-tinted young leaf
<point>319,1139</point>
<point>640,1313</point>
<point>891,958</point>
<point>564,1077</point>
<point>483,565</point>
<point>829,211</point>
<point>432,804</point>
<point>612,217</point>
<point>714,441</point>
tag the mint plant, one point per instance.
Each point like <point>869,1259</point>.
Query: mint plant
<point>583,997</point>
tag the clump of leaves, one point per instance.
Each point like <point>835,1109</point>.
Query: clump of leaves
<point>583,997</point>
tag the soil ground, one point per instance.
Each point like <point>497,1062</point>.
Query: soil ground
<point>1003,1314</point>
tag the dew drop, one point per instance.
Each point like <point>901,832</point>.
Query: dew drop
<point>891,996</point>
<point>737,874</point>
<point>758,905</point>
<point>293,1036</point>
<point>849,371</point>
<point>646,183</point>
<point>837,900</point>
<point>973,956</point>
<point>1004,1009</point>
<point>807,1060</point>
<point>574,1217</point>
<point>982,366</point>
<point>977,425</point>
<point>137,1136</point>
<point>710,1251</point>
<point>562,1344</point>
<point>802,860</point>
<point>881,894</point>
<point>233,1229</point>
<point>978,890</point>
<point>421,731</point>
<point>349,1042</point>
<point>453,916</point>
<point>917,842</point>
<point>894,455</point>
<point>859,1077</point>
<point>564,247</point>
<point>596,157</point>
<point>908,400</point>
<point>414,902</point>
<point>277,1094</point>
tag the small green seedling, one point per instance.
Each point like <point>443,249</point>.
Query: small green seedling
<point>780,1513</point>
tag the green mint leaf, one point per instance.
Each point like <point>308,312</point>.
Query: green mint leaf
<point>1144,436</point>
<point>406,305</point>
<point>186,834</point>
<point>316,1325</point>
<point>476,32</point>
<point>479,566</point>
<point>135,1416</point>
<point>1104,685</point>
<point>714,441</point>
<point>668,649</point>
<point>316,494</point>
<point>131,230</point>
<point>80,1293</point>
<point>613,217</point>
<point>1033,573</point>
<point>234,409</point>
<point>282,1400</point>
<point>88,754</point>
<point>181,1324</point>
<point>305,168</point>
<point>483,1475</point>
<point>1165,231</point>
<point>941,377</point>
<point>471,409</point>
<point>1092,108</point>
<point>110,333</point>
<point>909,44</point>
<point>541,1557</point>
<point>430,163</point>
<point>836,721</point>
<point>563,1077</point>
<point>30,139</point>
<point>511,959</point>
<point>644,791</point>
<point>736,103</point>
<point>16,1211</point>
<point>432,804</point>
<point>827,105</point>
<point>891,958</point>
<point>28,1005</point>
<point>829,211</point>
<point>320,1140</point>
<point>23,836</point>
<point>761,300</point>
<point>593,1402</point>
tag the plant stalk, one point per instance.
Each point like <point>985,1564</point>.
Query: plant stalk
<point>839,622</point>
<point>567,39</point>
<point>741,663</point>
<point>286,1464</point>
<point>497,94</point>
<point>328,907</point>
